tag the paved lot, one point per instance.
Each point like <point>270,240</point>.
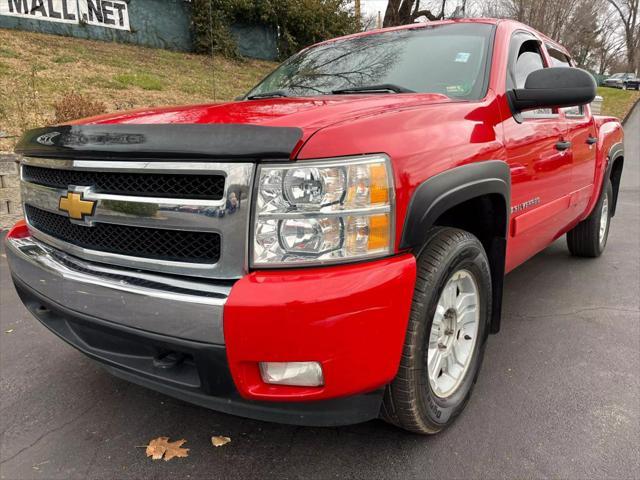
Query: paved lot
<point>558,395</point>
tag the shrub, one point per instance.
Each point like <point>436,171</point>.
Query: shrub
<point>298,23</point>
<point>73,105</point>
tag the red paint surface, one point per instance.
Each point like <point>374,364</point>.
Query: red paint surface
<point>19,230</point>
<point>352,319</point>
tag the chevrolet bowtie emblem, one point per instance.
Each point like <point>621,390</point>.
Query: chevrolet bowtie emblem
<point>75,206</point>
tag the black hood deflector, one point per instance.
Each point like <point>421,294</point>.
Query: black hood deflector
<point>160,142</point>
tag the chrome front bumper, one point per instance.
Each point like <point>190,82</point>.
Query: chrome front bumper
<point>190,309</point>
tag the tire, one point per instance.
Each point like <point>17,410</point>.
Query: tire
<point>410,400</point>
<point>585,239</point>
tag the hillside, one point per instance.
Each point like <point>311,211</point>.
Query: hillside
<point>36,70</point>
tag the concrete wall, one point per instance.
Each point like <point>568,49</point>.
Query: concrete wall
<point>154,23</point>
<point>256,41</point>
<point>10,207</point>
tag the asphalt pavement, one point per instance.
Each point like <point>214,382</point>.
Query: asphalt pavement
<point>558,395</point>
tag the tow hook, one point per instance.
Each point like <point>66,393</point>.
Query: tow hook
<point>168,360</point>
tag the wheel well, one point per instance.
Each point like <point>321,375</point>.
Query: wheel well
<point>615,176</point>
<point>486,218</point>
<point>483,216</point>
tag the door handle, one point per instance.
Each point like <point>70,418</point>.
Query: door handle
<point>563,145</point>
<point>591,140</point>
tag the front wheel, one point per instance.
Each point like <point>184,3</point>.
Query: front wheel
<point>446,335</point>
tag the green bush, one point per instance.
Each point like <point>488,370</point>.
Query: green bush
<point>298,23</point>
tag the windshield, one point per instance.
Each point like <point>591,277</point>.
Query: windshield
<point>449,59</point>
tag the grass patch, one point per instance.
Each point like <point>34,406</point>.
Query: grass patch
<point>8,53</point>
<point>617,102</point>
<point>144,81</point>
<point>61,59</point>
<point>100,82</point>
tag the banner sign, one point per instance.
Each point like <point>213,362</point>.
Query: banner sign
<point>102,13</point>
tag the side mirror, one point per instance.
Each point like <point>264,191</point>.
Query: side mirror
<point>554,87</point>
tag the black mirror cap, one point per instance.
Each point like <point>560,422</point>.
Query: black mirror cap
<point>554,87</point>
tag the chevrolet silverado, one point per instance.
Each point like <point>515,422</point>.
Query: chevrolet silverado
<point>332,247</point>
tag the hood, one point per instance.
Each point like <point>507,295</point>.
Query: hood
<point>258,129</point>
<point>308,114</point>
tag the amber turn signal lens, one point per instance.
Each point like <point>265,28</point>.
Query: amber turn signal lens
<point>379,186</point>
<point>378,232</point>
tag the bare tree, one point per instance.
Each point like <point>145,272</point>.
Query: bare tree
<point>627,11</point>
<point>610,43</point>
<point>590,29</point>
<point>402,12</point>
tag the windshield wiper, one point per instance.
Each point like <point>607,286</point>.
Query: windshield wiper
<point>274,94</point>
<point>382,88</point>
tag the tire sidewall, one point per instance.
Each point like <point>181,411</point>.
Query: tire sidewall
<point>608,194</point>
<point>471,257</point>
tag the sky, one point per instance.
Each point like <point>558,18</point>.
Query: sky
<point>371,7</point>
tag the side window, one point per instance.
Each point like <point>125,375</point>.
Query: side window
<point>559,59</point>
<point>527,62</point>
<point>529,59</point>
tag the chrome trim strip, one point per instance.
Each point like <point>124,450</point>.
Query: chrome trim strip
<point>195,168</point>
<point>228,216</point>
<point>164,213</point>
<point>120,296</point>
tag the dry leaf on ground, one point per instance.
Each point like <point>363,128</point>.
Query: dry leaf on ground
<point>219,441</point>
<point>161,446</point>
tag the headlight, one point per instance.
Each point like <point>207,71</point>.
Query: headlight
<point>323,212</point>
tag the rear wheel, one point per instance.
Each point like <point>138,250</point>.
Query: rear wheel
<point>446,335</point>
<point>589,237</point>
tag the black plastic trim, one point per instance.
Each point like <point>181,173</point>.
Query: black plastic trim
<point>216,390</point>
<point>160,142</point>
<point>616,154</point>
<point>440,193</point>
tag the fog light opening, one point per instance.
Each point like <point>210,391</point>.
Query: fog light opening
<point>299,374</point>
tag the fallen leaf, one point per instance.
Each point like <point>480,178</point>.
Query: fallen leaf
<point>219,441</point>
<point>161,446</point>
<point>9,331</point>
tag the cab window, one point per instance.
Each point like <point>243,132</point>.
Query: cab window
<point>528,59</point>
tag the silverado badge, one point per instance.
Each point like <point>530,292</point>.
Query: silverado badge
<point>75,206</point>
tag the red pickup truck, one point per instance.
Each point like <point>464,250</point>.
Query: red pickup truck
<point>330,248</point>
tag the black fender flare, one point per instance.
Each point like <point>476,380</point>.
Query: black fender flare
<point>441,192</point>
<point>616,153</point>
<point>444,191</point>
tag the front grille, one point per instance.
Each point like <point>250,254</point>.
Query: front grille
<point>174,245</point>
<point>210,187</point>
